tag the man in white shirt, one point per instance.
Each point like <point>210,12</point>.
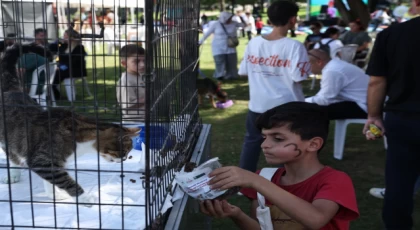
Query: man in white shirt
<point>275,66</point>
<point>343,86</point>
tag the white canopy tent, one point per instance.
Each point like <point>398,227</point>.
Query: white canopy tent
<point>23,16</point>
<point>101,3</point>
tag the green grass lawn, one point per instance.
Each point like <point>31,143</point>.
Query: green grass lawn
<point>363,161</point>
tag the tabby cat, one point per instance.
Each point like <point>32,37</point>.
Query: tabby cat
<point>43,140</point>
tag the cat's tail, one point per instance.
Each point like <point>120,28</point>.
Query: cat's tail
<point>9,79</point>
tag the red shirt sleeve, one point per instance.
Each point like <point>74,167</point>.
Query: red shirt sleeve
<point>338,187</point>
<point>249,192</point>
<point>252,193</point>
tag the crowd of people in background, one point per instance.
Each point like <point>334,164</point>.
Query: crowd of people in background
<point>288,127</point>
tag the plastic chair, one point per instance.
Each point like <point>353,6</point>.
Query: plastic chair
<point>46,90</point>
<point>313,76</point>
<point>363,62</point>
<point>348,52</point>
<point>340,135</point>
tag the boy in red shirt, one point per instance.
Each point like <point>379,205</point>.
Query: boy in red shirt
<point>304,194</point>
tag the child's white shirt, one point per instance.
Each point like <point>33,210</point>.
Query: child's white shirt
<point>274,70</point>
<point>130,91</point>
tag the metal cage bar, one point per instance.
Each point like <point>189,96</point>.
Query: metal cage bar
<point>71,100</point>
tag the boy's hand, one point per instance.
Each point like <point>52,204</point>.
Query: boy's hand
<point>229,177</point>
<point>219,209</point>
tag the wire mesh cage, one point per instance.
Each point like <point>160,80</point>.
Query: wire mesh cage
<point>98,110</point>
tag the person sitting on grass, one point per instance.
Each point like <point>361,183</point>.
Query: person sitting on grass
<point>304,194</point>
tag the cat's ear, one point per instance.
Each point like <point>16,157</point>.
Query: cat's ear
<point>131,132</point>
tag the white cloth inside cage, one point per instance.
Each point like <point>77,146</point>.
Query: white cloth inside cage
<point>114,190</point>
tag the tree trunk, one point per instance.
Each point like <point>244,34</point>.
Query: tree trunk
<point>222,5</point>
<point>358,10</point>
<point>262,6</point>
<point>344,13</point>
<point>233,3</point>
<point>372,5</point>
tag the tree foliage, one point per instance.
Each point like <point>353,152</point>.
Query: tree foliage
<point>242,2</point>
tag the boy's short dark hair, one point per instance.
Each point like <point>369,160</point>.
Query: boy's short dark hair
<point>308,120</point>
<point>131,50</point>
<point>281,11</point>
<point>40,30</point>
<point>331,31</point>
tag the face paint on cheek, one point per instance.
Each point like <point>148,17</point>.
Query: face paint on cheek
<point>296,149</point>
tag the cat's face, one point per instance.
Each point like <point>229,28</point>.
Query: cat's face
<point>116,143</point>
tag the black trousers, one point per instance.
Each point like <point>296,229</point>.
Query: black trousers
<point>402,169</point>
<point>345,110</point>
<point>249,34</point>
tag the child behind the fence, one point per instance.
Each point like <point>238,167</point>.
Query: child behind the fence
<point>131,91</point>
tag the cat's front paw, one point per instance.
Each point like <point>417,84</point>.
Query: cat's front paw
<point>14,177</point>
<point>87,198</point>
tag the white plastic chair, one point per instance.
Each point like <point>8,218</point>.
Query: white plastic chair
<point>348,52</point>
<point>364,60</point>
<point>313,76</point>
<point>340,135</point>
<point>46,90</point>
